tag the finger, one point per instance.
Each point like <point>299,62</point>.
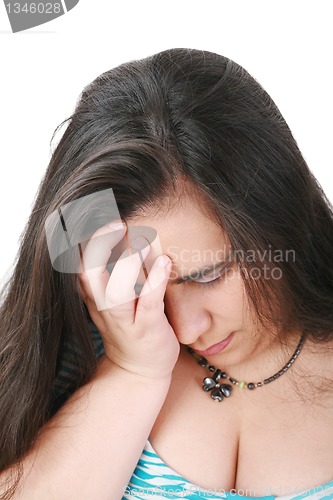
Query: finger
<point>94,258</point>
<point>97,250</point>
<point>120,293</point>
<point>82,289</point>
<point>150,234</point>
<point>95,316</point>
<point>150,303</point>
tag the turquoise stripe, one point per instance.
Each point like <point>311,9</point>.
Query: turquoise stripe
<point>68,364</point>
<point>62,378</point>
<point>153,479</point>
<point>68,368</point>
<point>142,475</point>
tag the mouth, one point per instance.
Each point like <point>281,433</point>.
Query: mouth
<point>216,348</point>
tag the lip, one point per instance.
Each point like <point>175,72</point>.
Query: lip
<point>216,348</point>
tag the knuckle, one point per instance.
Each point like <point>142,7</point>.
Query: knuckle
<point>119,311</point>
<point>148,304</point>
<point>118,298</point>
<point>120,304</point>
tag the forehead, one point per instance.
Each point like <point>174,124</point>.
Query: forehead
<point>187,232</point>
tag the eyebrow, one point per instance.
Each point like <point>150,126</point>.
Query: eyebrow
<point>201,273</point>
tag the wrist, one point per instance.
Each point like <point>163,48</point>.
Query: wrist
<point>108,367</point>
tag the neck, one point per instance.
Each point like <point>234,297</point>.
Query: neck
<point>258,362</point>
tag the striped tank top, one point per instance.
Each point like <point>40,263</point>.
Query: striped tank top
<point>153,479</point>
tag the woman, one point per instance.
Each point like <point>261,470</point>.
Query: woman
<point>100,395</point>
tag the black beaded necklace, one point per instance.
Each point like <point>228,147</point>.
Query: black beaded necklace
<point>218,390</point>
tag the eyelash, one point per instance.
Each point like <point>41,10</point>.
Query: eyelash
<point>213,282</point>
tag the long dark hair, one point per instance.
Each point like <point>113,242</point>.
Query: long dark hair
<point>145,129</point>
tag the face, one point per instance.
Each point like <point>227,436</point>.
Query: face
<point>205,306</point>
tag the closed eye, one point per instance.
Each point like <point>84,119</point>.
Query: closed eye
<point>214,277</point>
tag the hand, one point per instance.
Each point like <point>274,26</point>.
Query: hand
<point>135,331</point>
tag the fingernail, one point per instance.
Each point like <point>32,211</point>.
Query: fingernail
<point>116,225</point>
<point>163,261</point>
<point>140,243</point>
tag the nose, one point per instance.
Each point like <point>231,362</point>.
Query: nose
<point>187,313</point>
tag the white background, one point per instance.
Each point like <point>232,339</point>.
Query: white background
<point>286,45</point>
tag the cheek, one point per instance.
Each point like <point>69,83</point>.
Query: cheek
<point>167,304</point>
<point>232,286</point>
<point>173,301</point>
<point>228,299</point>
<point>229,304</point>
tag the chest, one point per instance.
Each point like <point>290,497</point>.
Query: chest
<point>266,441</point>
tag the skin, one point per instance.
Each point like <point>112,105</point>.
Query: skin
<point>203,315</point>
<point>139,336</point>
<point>148,336</point>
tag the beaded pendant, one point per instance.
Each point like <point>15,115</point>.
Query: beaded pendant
<point>219,390</point>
